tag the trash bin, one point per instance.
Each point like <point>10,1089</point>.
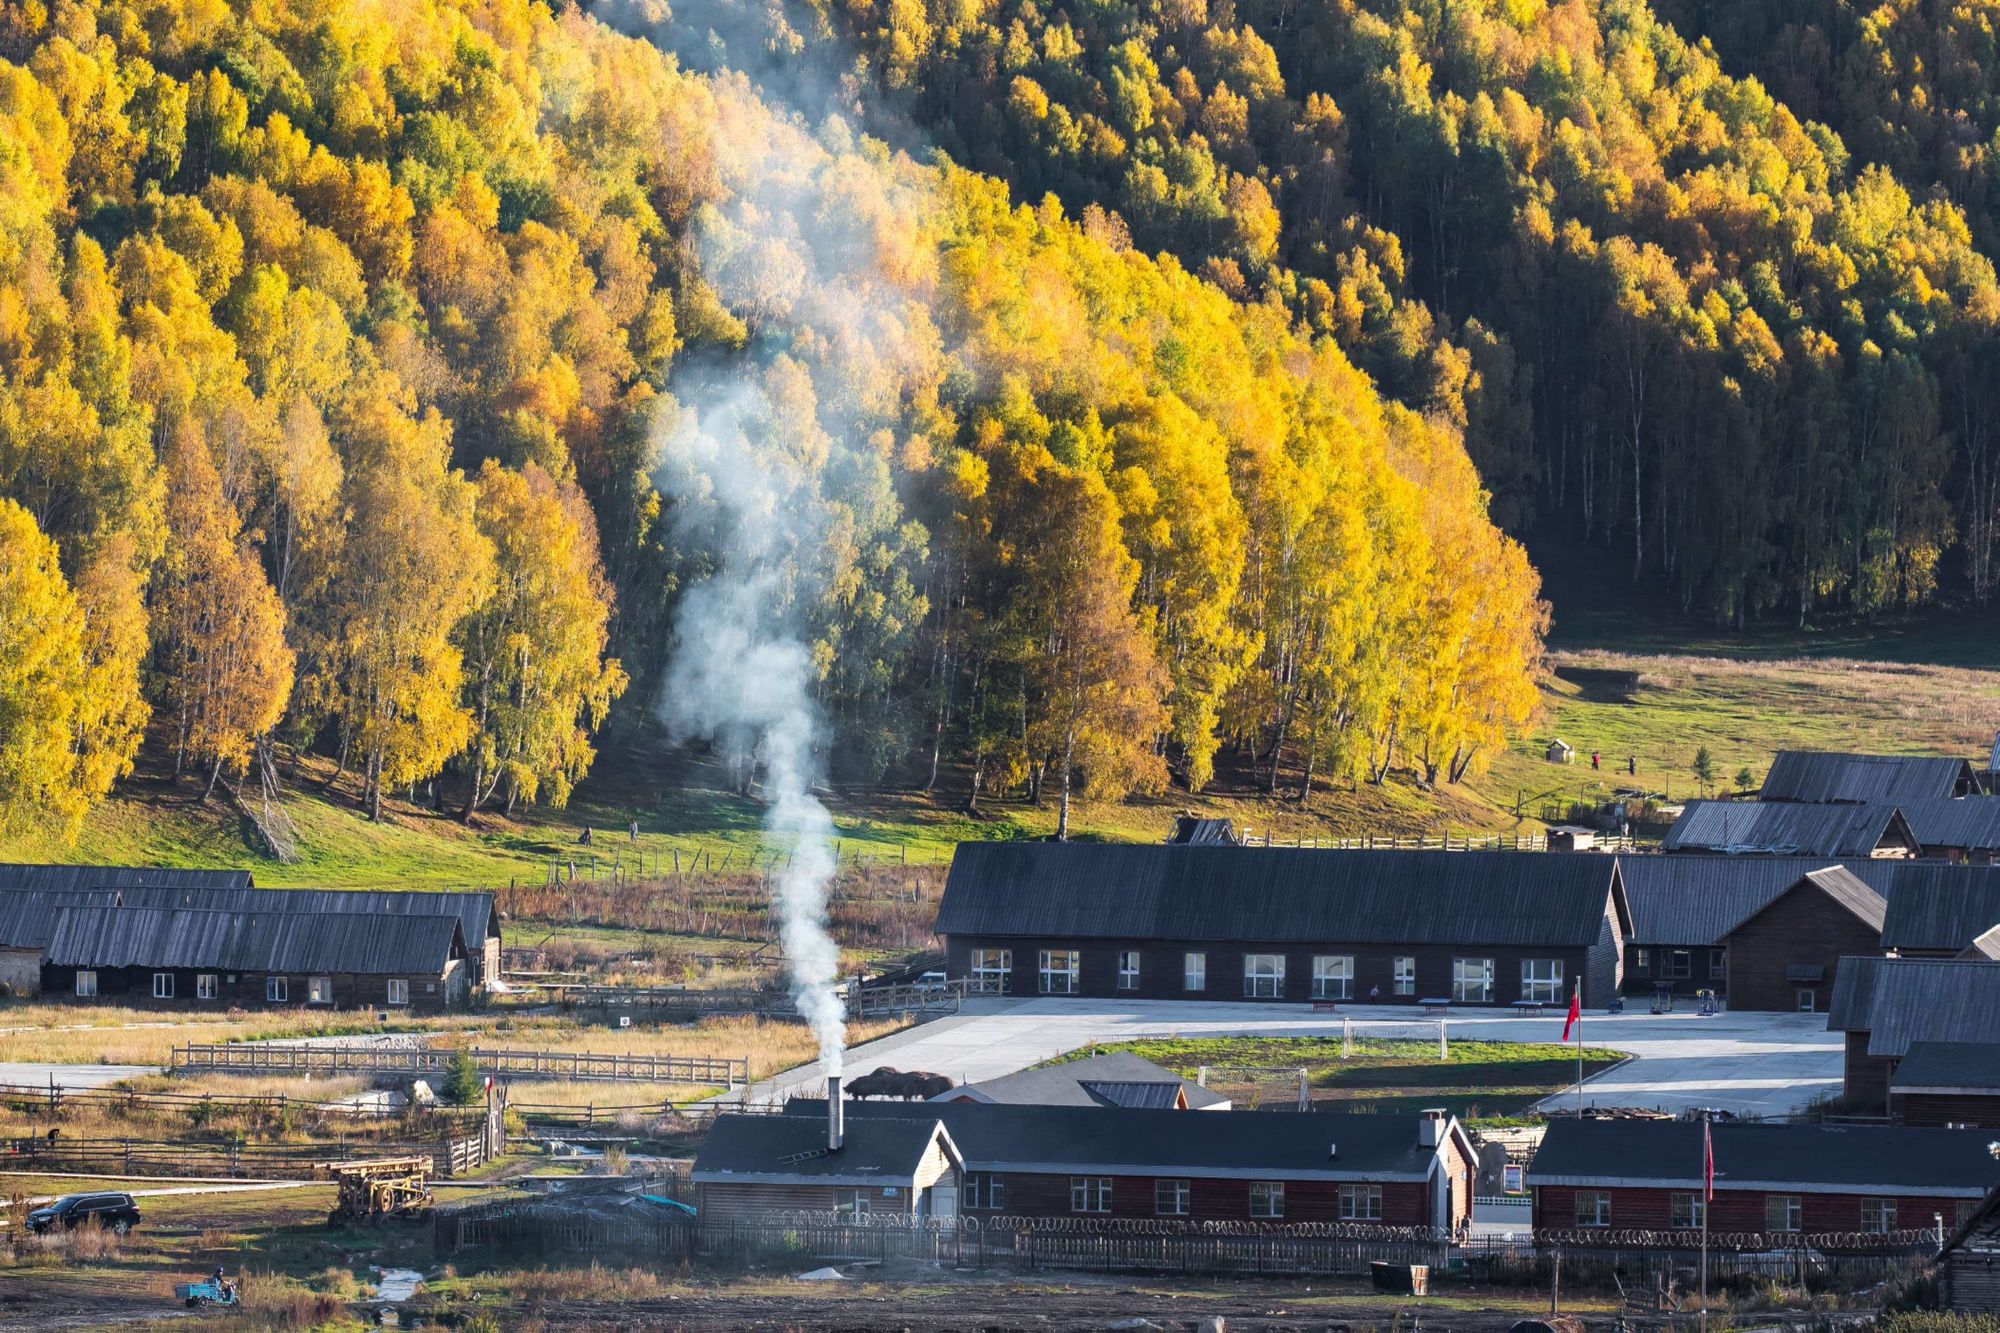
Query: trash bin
<point>1401,1279</point>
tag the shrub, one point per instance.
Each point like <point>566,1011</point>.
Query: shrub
<point>462,1085</point>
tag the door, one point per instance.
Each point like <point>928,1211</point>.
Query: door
<point>943,1197</point>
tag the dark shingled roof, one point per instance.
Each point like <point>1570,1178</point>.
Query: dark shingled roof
<point>1276,895</point>
<point>1111,1140</point>
<point>1971,822</point>
<point>1119,1078</point>
<point>27,919</point>
<point>748,1149</point>
<point>1900,1001</point>
<point>1815,1159</point>
<point>1697,898</point>
<point>1847,892</point>
<point>1784,829</point>
<point>1949,1066</point>
<point>299,942</point>
<point>46,878</point>
<point>1815,776</point>
<point>1941,908</point>
<point>1190,831</point>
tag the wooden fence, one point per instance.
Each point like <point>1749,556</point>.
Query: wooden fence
<point>54,1102</point>
<point>452,1155</point>
<point>302,1060</point>
<point>929,1000</point>
<point>1438,842</point>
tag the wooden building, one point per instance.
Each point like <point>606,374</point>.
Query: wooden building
<point>1761,828</point>
<point>1969,1262</point>
<point>1237,1166</point>
<point>27,892</point>
<point>1786,955</point>
<point>1824,778</point>
<point>1938,910</point>
<point>1949,1084</point>
<point>753,1164</point>
<point>1770,1180</point>
<point>1683,908</point>
<point>1966,830</point>
<point>1115,1079</point>
<point>1284,924</point>
<point>1883,1006</point>
<point>198,958</point>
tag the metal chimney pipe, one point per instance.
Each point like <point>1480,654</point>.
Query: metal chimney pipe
<point>836,1118</point>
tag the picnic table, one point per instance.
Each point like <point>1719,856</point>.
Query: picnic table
<point>1434,1005</point>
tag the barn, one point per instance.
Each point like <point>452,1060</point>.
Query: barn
<point>1305,925</point>
<point>1886,1005</point>
<point>1759,828</point>
<point>1825,778</point>
<point>1786,955</point>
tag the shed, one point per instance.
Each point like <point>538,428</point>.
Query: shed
<point>1786,955</point>
<point>1886,1005</point>
<point>1559,752</point>
<point>1761,828</point>
<point>1194,831</point>
<point>1822,777</point>
<point>1969,1263</point>
<point>1115,1079</point>
<point>1947,1083</point>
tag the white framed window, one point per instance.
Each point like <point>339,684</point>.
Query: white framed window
<point>984,1190</point>
<point>1542,979</point>
<point>851,1203</point>
<point>1333,976</point>
<point>1878,1216</point>
<point>1059,971</point>
<point>1472,980</point>
<point>319,990</point>
<point>1642,960</point>
<point>1090,1194</point>
<point>163,985</point>
<point>1128,969</point>
<point>1194,971</point>
<point>86,983</point>
<point>992,969</point>
<point>1361,1203</point>
<point>1406,974</point>
<point>204,986</point>
<point>1687,1209</point>
<point>1264,975</point>
<point>1784,1212</point>
<point>399,990</point>
<point>1593,1208</point>
<point>1267,1199</point>
<point>277,990</point>
<point>1808,1000</point>
<point>1171,1198</point>
<point>1718,963</point>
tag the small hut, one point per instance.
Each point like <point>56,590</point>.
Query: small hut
<point>1559,752</point>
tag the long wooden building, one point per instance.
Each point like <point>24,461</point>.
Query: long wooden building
<point>1821,777</point>
<point>1883,1006</point>
<point>1214,923</point>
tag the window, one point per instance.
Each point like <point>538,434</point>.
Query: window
<point>1675,964</point>
<point>1807,999</point>
<point>163,985</point>
<point>1194,971</point>
<point>1170,1198</point>
<point>851,1203</point>
<point>1267,1198</point>
<point>1510,1178</point>
<point>1406,975</point>
<point>1718,963</point>
<point>1642,960</point>
<point>86,984</point>
<point>985,1191</point>
<point>1333,976</point>
<point>1264,975</point>
<point>1784,1212</point>
<point>1059,969</point>
<point>991,969</point>
<point>319,990</point>
<point>1472,980</point>
<point>1687,1211</point>
<point>1542,979</point>
<point>399,990</point>
<point>1361,1203</point>
<point>1128,969</point>
<point>277,990</point>
<point>1966,1207</point>
<point>1878,1215</point>
<point>204,986</point>
<point>1090,1194</point>
<point>1593,1208</point>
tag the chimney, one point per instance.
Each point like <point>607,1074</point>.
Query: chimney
<point>836,1117</point>
<point>1430,1126</point>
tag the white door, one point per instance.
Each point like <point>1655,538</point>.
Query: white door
<point>944,1196</point>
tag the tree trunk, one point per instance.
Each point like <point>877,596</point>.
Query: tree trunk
<point>214,775</point>
<point>1068,762</point>
<point>472,796</point>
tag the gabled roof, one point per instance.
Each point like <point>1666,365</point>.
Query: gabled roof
<point>1941,908</point>
<point>1277,895</point>
<point>20,877</point>
<point>1986,947</point>
<point>1979,1233</point>
<point>778,1149</point>
<point>1190,831</point>
<point>1822,777</point>
<point>1235,1145</point>
<point>1804,1159</point>
<point>1786,829</point>
<point>1969,1067</point>
<point>297,942</point>
<point>1697,898</point>
<point>27,918</point>
<point>1971,822</point>
<point>1900,1001</point>
<point>1842,888</point>
<point>1118,1078</point>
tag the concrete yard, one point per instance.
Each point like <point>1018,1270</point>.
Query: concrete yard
<point>74,1078</point>
<point>1757,1064</point>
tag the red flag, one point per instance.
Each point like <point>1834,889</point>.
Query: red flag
<point>1707,1165</point>
<point>1575,1011</point>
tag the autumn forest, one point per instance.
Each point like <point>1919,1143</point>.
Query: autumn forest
<point>1149,380</point>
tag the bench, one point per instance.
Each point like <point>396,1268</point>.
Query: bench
<point>1529,1006</point>
<point>1434,1005</point>
<point>1325,1007</point>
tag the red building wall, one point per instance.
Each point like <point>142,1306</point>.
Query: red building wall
<point>1937,1110</point>
<point>1636,1209</point>
<point>1403,1203</point>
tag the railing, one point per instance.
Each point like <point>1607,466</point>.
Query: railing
<point>197,1105</point>
<point>1440,842</point>
<point>309,1061</point>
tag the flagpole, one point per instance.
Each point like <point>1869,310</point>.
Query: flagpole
<point>1707,1202</point>
<point>1579,1048</point>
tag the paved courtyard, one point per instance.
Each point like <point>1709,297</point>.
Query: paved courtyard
<point>1759,1064</point>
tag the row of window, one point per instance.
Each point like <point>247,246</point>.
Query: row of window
<point>1782,1212</point>
<point>1678,964</point>
<point>1171,1198</point>
<point>277,990</point>
<point>1472,979</point>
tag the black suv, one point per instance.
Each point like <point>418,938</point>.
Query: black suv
<point>116,1211</point>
